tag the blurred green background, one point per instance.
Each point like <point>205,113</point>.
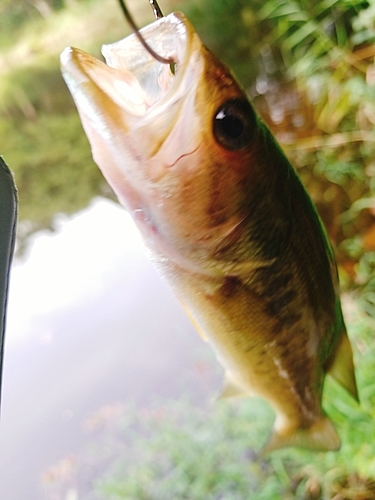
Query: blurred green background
<point>309,67</point>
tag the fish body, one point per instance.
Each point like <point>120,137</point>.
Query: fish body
<point>225,218</point>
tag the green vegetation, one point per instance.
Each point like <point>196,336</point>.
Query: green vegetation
<point>178,451</point>
<point>41,135</point>
<point>309,66</point>
<point>327,48</point>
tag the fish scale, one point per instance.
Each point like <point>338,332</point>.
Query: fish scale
<point>225,217</point>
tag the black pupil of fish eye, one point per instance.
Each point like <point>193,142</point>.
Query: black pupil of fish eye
<point>231,124</point>
<point>234,124</point>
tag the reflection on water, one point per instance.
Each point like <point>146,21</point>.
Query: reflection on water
<point>74,265</point>
<point>89,324</point>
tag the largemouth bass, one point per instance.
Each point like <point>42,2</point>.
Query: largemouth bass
<point>225,217</point>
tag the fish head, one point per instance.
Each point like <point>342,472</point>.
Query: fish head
<point>179,148</point>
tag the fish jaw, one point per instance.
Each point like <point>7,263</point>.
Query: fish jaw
<point>126,111</point>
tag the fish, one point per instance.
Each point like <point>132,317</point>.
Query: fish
<point>224,217</point>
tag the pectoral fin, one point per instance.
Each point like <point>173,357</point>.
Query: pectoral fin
<point>231,388</point>
<point>342,368</point>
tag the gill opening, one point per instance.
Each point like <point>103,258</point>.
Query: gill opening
<point>158,15</point>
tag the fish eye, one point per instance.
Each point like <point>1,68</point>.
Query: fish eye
<point>234,124</point>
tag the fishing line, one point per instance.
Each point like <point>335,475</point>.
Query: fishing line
<point>158,14</point>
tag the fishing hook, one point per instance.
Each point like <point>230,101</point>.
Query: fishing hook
<point>157,10</point>
<point>158,14</point>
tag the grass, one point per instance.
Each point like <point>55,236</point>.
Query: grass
<point>177,450</point>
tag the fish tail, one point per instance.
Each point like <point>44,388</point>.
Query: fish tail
<point>320,436</point>
<point>341,367</point>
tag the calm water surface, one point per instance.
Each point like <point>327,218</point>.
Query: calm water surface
<point>89,324</point>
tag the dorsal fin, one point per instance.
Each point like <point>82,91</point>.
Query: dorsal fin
<point>342,367</point>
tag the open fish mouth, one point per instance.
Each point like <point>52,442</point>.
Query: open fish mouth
<point>132,77</point>
<point>134,109</point>
<point>148,82</point>
<point>146,93</point>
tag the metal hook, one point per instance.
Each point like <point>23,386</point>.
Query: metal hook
<point>157,10</point>
<point>158,14</point>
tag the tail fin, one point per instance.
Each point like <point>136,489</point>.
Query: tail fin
<point>321,436</point>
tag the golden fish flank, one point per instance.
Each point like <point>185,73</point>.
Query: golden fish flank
<point>225,217</point>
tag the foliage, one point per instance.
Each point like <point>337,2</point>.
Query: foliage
<point>42,137</point>
<point>15,15</point>
<point>176,450</point>
<point>63,178</point>
<point>237,45</point>
<point>327,49</point>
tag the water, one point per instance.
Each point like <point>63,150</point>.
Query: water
<point>90,324</point>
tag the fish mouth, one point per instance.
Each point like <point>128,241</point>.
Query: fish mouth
<point>135,100</point>
<point>153,83</point>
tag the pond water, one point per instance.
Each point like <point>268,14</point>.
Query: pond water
<point>90,324</point>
